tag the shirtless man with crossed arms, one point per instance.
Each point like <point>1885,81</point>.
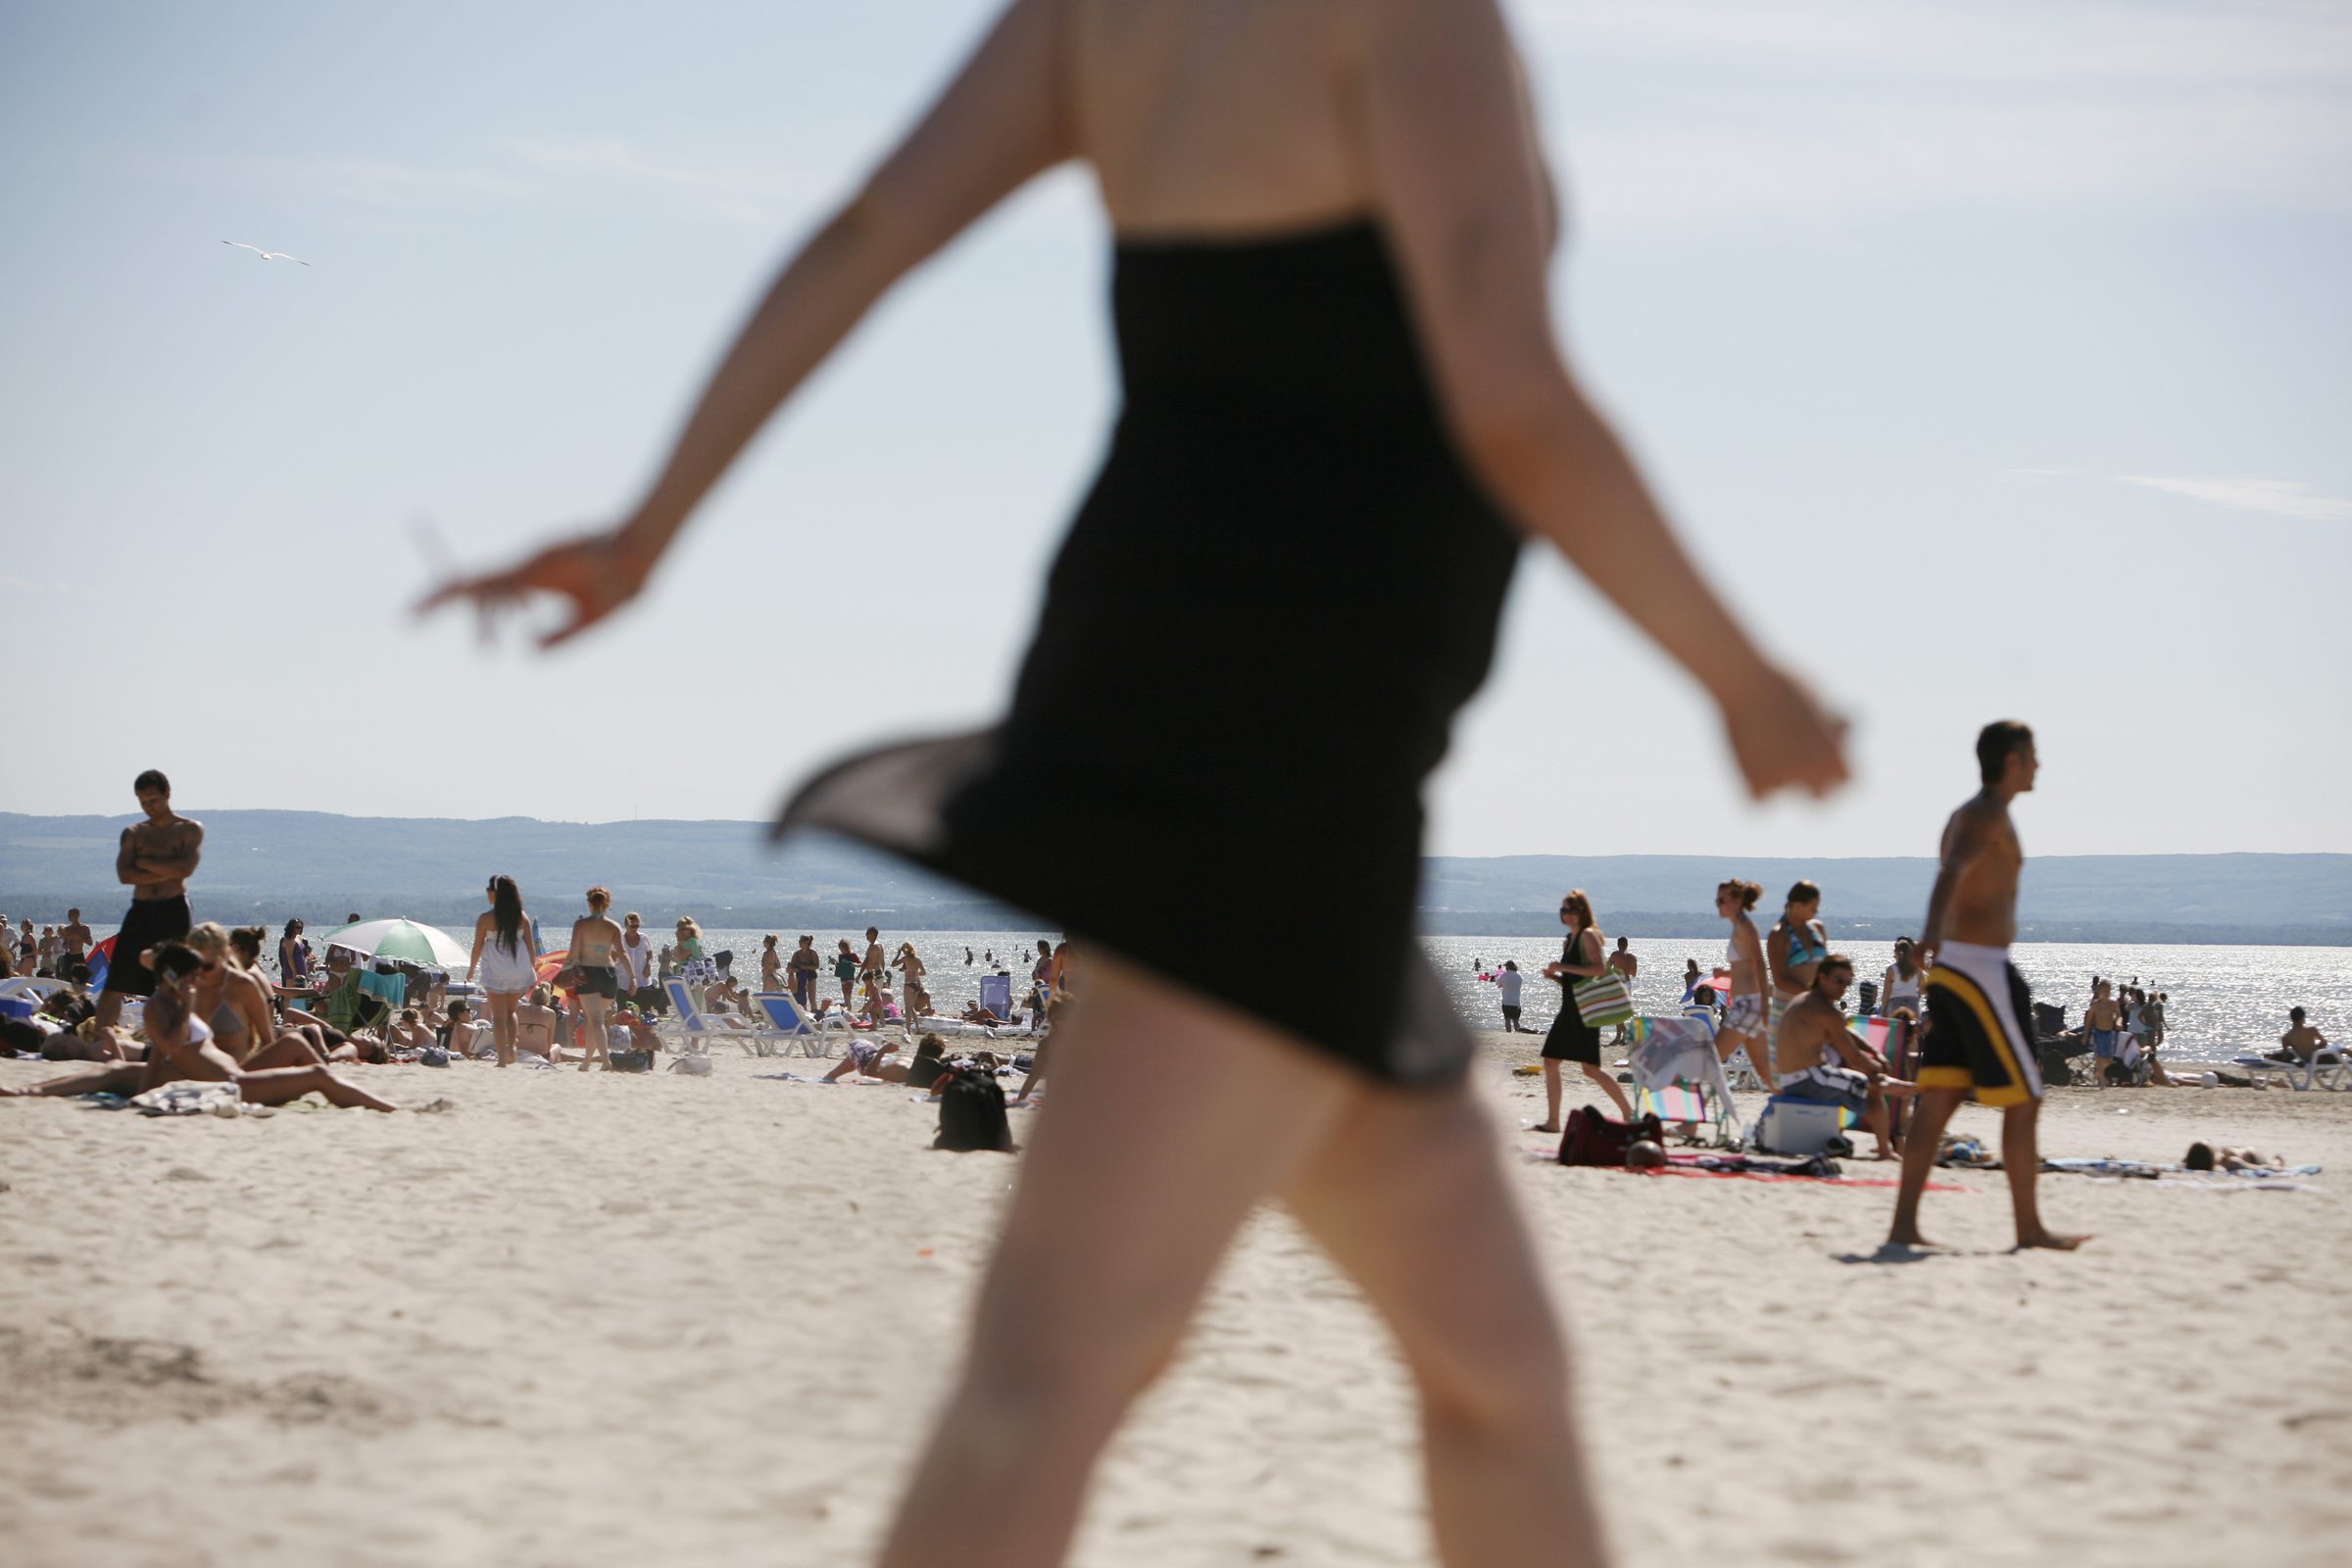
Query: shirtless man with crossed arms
<point>156,859</point>
<point>1977,1003</point>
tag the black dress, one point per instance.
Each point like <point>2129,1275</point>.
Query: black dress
<point>1281,588</point>
<point>1570,1038</point>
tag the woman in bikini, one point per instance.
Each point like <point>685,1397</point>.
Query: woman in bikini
<point>235,1005</point>
<point>1744,1026</point>
<point>1331,239</point>
<point>180,1046</point>
<point>1794,950</point>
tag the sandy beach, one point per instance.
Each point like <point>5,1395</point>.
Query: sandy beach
<point>553,1318</point>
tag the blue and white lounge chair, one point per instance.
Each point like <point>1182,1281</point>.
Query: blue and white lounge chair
<point>793,1025</point>
<point>699,1029</point>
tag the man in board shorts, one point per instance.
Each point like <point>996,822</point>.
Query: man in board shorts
<point>1977,1003</point>
<point>156,859</point>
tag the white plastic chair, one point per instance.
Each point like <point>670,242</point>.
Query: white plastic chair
<point>699,1029</point>
<point>2330,1069</point>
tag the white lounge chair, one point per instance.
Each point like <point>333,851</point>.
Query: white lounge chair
<point>2330,1069</point>
<point>698,1028</point>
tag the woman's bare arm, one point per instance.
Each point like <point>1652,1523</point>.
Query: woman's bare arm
<point>997,125</point>
<point>1459,180</point>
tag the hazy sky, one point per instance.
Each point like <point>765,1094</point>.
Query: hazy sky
<point>1997,360</point>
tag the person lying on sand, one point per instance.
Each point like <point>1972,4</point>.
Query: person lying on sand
<point>408,1033</point>
<point>973,1012</point>
<point>2206,1157</point>
<point>180,1047</point>
<point>867,1060</point>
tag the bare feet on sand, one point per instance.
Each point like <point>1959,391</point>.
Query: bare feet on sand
<point>2051,1240</point>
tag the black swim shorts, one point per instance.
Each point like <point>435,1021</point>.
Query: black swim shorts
<point>149,922</point>
<point>596,980</point>
<point>1977,1003</point>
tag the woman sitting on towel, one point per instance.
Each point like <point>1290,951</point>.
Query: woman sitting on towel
<point>180,1046</point>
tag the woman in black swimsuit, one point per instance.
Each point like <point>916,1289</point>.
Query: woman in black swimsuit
<point>1344,404</point>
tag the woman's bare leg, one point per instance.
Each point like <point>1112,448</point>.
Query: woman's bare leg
<point>1733,1041</point>
<point>1407,1196</point>
<point>1551,1098</point>
<point>503,1026</point>
<point>276,1086</point>
<point>118,1078</point>
<point>593,1048</point>
<point>1127,1197</point>
<point>1601,1076</point>
<point>293,1049</point>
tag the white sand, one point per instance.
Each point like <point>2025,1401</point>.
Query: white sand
<point>591,1319</point>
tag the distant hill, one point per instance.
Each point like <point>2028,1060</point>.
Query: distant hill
<point>269,864</point>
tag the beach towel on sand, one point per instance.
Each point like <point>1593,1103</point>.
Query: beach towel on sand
<point>185,1099</point>
<point>2143,1170</point>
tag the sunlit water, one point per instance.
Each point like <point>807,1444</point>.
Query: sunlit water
<point>2222,1000</point>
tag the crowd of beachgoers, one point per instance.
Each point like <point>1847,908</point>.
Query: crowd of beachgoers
<point>168,1001</point>
<point>275,1018</point>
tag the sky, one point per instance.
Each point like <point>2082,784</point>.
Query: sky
<point>1996,361</point>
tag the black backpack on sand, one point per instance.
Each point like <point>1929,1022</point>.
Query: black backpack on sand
<point>971,1113</point>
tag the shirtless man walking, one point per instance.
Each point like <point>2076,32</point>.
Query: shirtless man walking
<point>1977,1000</point>
<point>156,859</point>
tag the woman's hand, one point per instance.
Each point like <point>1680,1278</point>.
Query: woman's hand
<point>598,572</point>
<point>1782,738</point>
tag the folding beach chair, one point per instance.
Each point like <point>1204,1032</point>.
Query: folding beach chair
<point>995,995</point>
<point>794,1023</point>
<point>1898,1043</point>
<point>697,1030</point>
<point>1678,1075</point>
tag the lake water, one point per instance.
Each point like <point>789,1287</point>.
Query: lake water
<point>2222,1000</point>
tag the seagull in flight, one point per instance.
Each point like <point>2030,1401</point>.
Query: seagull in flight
<point>267,256</point>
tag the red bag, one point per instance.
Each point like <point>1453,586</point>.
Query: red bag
<point>1589,1137</point>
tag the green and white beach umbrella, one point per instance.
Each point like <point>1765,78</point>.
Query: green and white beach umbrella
<point>412,940</point>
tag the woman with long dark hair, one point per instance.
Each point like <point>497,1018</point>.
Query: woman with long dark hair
<point>293,955</point>
<point>1345,404</point>
<point>506,953</point>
